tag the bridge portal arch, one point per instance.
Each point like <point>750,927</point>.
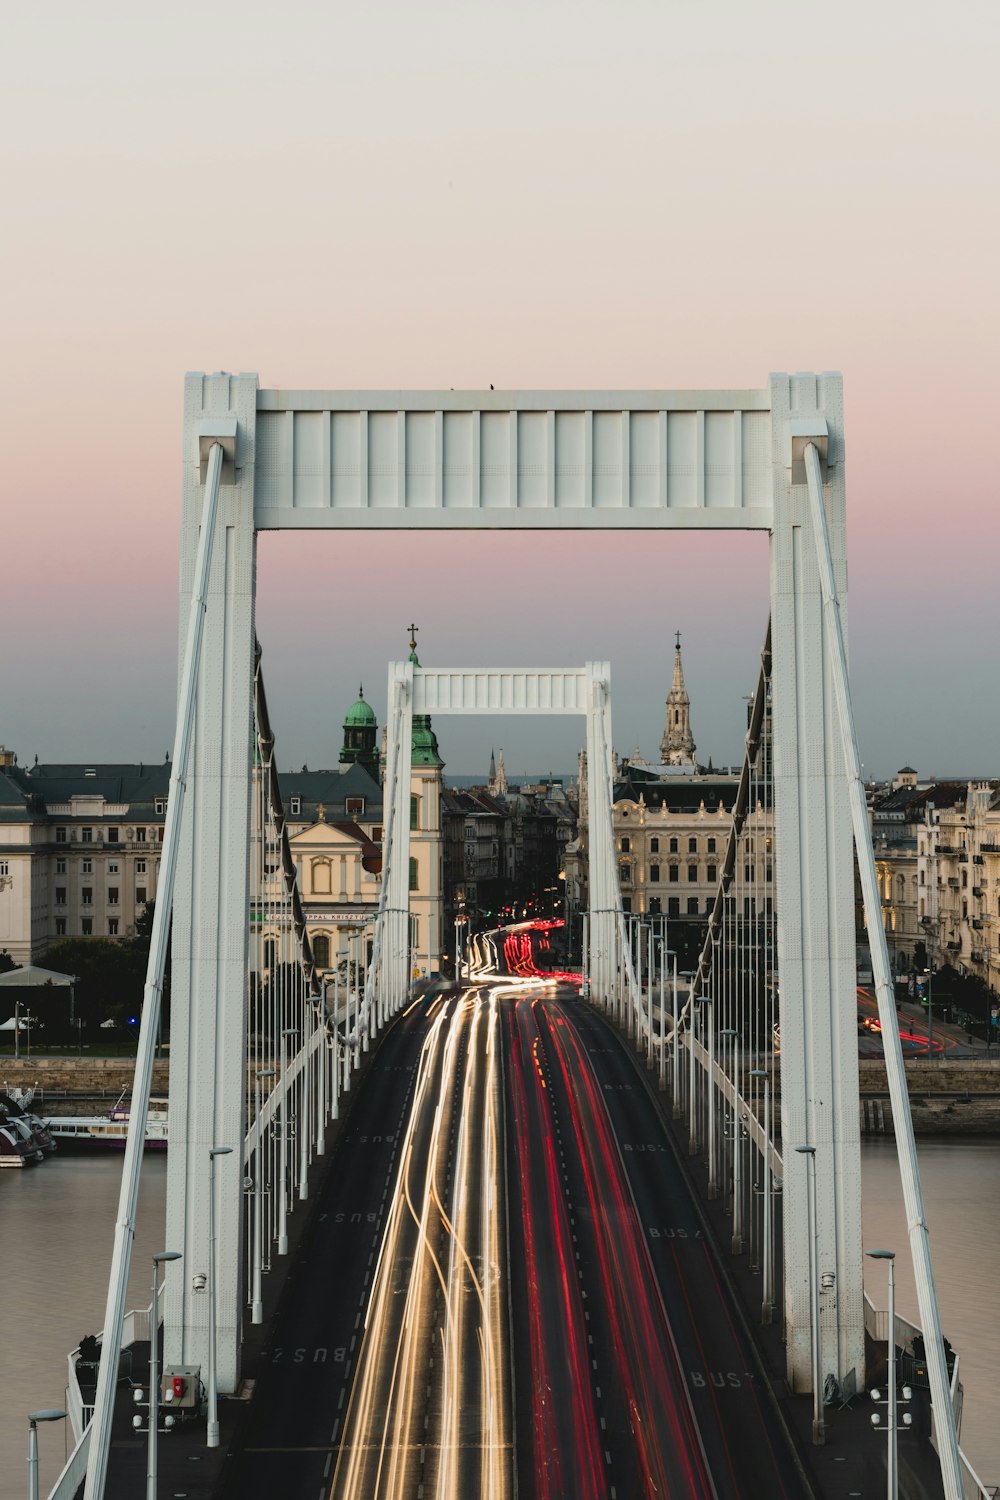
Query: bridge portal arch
<point>585,691</point>
<point>592,461</point>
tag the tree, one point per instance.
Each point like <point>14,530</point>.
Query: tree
<point>7,964</point>
<point>109,986</point>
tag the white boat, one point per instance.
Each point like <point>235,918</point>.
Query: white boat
<point>111,1129</point>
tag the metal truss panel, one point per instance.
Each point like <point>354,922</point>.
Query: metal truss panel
<point>499,690</point>
<point>512,459</point>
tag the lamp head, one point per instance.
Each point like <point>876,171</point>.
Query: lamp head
<point>162,1255</point>
<point>881,1254</point>
<point>221,1151</point>
<point>806,1150</point>
<point>47,1414</point>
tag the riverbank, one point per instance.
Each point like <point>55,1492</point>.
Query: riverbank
<point>58,1078</point>
<point>948,1095</point>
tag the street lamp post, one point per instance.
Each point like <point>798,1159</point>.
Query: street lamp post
<point>257,1310</point>
<point>703,1004</point>
<point>154,1373</point>
<point>284,1136</point>
<point>692,1111</point>
<point>892,1427</point>
<point>713,1176</point>
<point>818,1429</point>
<point>321,1015</point>
<point>49,1414</point>
<point>305,1096</point>
<point>730,1034</point>
<point>649,980</point>
<point>767,1302</point>
<point>664,955</point>
<point>212,1439</point>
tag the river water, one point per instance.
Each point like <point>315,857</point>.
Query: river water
<point>57,1222</point>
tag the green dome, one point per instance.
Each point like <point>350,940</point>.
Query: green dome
<point>361,715</point>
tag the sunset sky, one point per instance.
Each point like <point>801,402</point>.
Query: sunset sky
<point>573,195</point>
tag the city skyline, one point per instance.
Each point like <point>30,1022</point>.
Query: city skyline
<point>578,199</point>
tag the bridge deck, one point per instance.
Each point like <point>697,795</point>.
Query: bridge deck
<point>303,1360</point>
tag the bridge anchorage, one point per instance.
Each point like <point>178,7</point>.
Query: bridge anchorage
<point>264,1048</point>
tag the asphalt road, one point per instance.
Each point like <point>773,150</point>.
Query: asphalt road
<point>507,1281</point>
<point>302,1392</point>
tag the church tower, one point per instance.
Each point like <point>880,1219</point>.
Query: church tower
<point>426,841</point>
<point>498,777</point>
<point>677,745</point>
<point>360,737</point>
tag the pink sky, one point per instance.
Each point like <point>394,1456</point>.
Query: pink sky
<point>662,195</point>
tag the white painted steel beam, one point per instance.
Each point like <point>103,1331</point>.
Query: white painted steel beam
<point>500,690</point>
<point>815,901</point>
<point>434,460</point>
<point>210,932</point>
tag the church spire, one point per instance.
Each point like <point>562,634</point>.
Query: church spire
<point>677,745</point>
<point>498,777</point>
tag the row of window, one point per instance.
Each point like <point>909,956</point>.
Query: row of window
<point>111,868</point>
<point>693,906</point>
<point>674,874</point>
<point>673,846</point>
<point>86,927</point>
<point>113,835</point>
<point>87,895</point>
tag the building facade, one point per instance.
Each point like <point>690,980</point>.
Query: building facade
<point>672,822</point>
<point>958,863</point>
<point>79,850</point>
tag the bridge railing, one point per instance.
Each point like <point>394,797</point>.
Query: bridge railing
<point>728,1023</point>
<point>714,1038</point>
<point>80,1412</point>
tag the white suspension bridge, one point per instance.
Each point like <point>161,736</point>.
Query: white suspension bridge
<point>264,1051</point>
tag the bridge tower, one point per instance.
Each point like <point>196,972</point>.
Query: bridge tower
<point>767,460</point>
<point>591,461</point>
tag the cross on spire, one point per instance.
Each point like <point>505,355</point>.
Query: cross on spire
<point>413,636</point>
<point>678,645</point>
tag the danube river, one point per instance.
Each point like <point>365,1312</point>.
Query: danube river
<point>58,1222</point>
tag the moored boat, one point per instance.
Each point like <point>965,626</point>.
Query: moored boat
<point>111,1129</point>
